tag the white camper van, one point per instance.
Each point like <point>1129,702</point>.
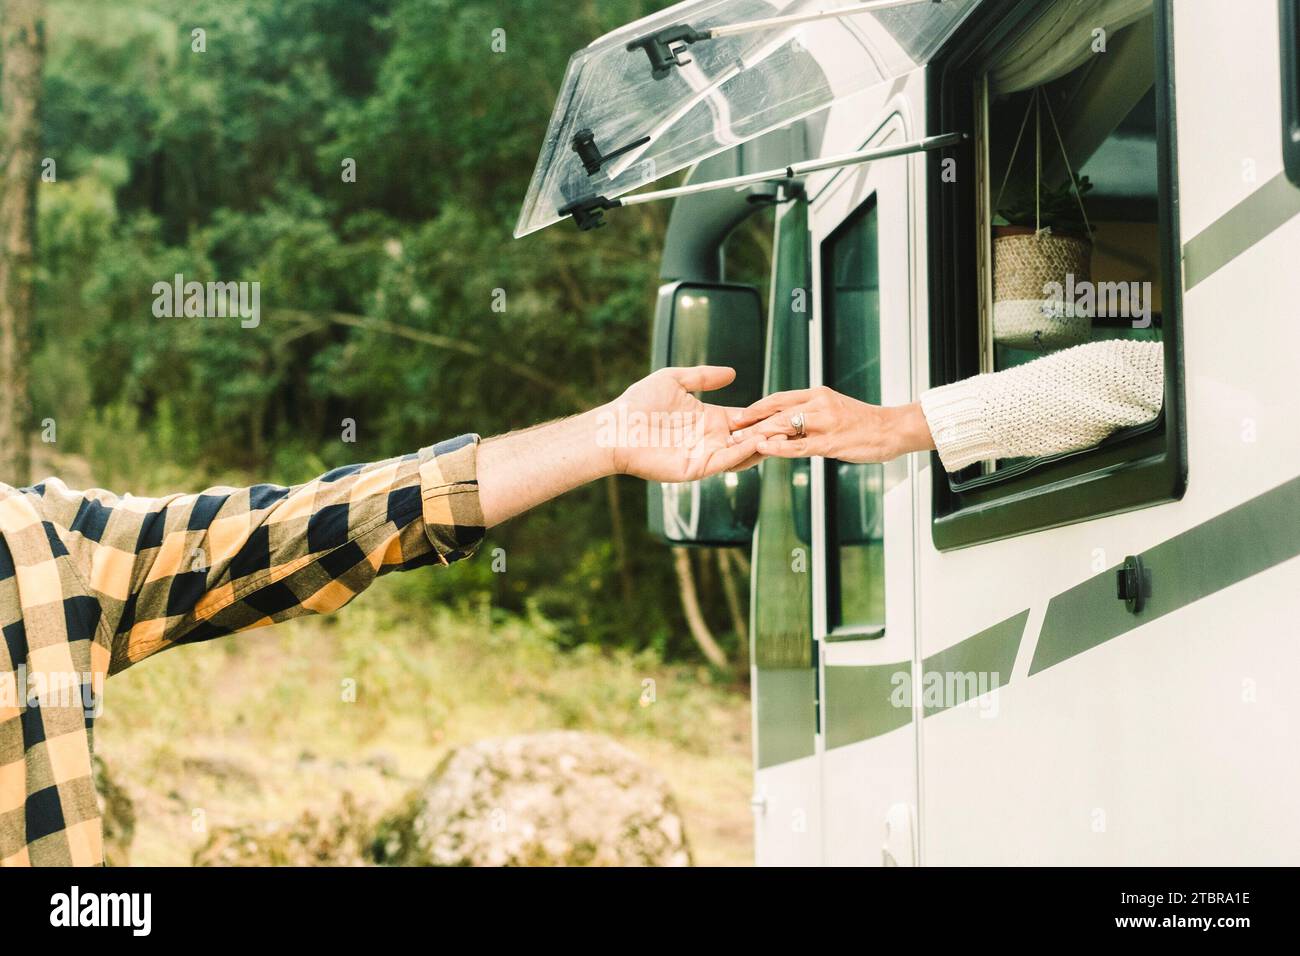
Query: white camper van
<point>1090,658</point>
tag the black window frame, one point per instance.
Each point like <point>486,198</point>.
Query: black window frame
<point>1135,468</point>
<point>1289,27</point>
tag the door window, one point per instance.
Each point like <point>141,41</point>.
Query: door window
<point>854,493</point>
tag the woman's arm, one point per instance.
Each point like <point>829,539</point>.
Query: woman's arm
<point>1062,402</point>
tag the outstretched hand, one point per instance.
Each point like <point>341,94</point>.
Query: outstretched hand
<point>658,430</point>
<point>834,426</point>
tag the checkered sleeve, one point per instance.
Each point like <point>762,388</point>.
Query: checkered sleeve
<point>189,568</point>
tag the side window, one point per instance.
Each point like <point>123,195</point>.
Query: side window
<point>1290,13</point>
<point>1071,205</point>
<point>854,493</point>
<point>784,658</point>
<point>1073,192</point>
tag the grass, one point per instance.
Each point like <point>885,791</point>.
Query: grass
<point>263,726</point>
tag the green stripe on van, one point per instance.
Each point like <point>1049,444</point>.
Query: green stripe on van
<point>976,665</point>
<point>1241,542</point>
<point>862,702</point>
<point>786,700</point>
<point>1245,224</point>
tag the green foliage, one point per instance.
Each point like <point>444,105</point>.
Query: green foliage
<point>228,165</point>
<point>1055,207</point>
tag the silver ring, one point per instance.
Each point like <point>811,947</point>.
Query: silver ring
<point>796,422</point>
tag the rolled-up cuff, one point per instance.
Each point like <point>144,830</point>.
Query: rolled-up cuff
<point>453,518</point>
<point>959,425</point>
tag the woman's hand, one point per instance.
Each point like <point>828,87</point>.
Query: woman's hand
<point>834,426</point>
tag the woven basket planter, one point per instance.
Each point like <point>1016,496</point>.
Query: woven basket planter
<point>1026,314</point>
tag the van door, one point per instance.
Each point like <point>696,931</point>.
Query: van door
<point>863,535</point>
<point>787,782</point>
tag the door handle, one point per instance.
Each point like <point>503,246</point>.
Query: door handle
<point>898,848</point>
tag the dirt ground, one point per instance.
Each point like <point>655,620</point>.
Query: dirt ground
<point>361,706</point>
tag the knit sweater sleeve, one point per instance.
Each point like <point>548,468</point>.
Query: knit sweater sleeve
<point>1062,402</point>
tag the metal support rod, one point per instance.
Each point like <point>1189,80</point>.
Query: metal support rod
<point>798,169</point>
<point>797,18</point>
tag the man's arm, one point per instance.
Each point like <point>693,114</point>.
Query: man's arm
<point>656,430</point>
<point>519,471</point>
<point>189,568</point>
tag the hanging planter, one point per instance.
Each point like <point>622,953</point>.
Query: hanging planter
<point>1042,251</point>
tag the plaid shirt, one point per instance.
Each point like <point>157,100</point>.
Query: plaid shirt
<point>91,583</point>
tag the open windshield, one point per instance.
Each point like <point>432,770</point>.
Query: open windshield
<point>634,127</point>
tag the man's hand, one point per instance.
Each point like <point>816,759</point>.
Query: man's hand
<point>659,431</point>
<point>656,430</point>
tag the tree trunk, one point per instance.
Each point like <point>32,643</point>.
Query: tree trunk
<point>23,34</point>
<point>735,607</point>
<point>612,494</point>
<point>620,539</point>
<point>691,606</point>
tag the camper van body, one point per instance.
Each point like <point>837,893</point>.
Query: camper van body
<point>1081,732</point>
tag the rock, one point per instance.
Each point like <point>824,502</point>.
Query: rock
<point>118,812</point>
<point>343,839</point>
<point>552,799</point>
<point>383,762</point>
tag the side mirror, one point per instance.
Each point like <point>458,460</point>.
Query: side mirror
<point>710,324</point>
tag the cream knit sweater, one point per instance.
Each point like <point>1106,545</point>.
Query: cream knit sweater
<point>1062,402</point>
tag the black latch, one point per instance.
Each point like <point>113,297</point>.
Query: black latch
<point>664,47</point>
<point>1130,583</point>
<point>584,144</point>
<point>589,213</point>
